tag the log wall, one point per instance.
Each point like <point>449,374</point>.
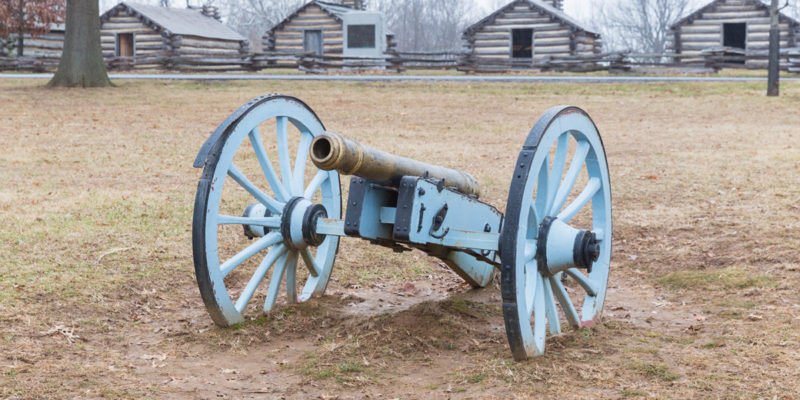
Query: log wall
<point>147,42</point>
<point>705,31</point>
<point>47,46</point>
<point>491,44</point>
<point>289,36</point>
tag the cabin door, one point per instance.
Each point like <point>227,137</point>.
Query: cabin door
<point>522,43</point>
<point>312,42</point>
<point>734,35</point>
<point>124,45</point>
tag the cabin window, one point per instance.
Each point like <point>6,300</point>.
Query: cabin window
<point>522,43</point>
<point>312,42</point>
<point>734,35</point>
<point>361,36</point>
<point>124,46</point>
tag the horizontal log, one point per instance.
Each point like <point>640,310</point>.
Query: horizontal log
<point>689,29</point>
<point>136,31</point>
<point>731,20</point>
<point>112,26</point>
<point>299,35</point>
<point>123,19</point>
<point>542,27</point>
<point>43,44</point>
<point>209,52</point>
<point>299,43</point>
<point>337,29</point>
<point>513,20</point>
<point>735,14</point>
<point>312,25</point>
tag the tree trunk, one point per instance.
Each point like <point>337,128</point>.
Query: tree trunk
<point>773,71</point>
<point>21,31</point>
<point>82,58</point>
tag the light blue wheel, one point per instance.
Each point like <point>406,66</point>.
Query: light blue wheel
<point>254,186</point>
<point>557,224</point>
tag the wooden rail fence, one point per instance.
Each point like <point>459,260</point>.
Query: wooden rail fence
<point>712,59</point>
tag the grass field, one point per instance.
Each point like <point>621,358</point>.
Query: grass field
<point>98,296</point>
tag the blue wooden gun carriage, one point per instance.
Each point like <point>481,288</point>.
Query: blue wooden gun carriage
<point>293,214</point>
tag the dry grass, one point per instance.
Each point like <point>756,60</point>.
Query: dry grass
<point>97,292</point>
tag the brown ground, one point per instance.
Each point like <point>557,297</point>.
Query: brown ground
<point>97,290</point>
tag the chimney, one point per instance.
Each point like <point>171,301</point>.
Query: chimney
<point>355,4</point>
<point>558,4</point>
<point>208,11</point>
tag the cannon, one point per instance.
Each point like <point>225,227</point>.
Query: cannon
<point>269,199</point>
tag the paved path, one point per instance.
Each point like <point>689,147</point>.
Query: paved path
<point>426,78</point>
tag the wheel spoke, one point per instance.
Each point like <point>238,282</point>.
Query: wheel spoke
<point>269,222</point>
<point>536,219</point>
<point>260,244</point>
<point>575,168</point>
<point>258,276</point>
<point>552,312</point>
<point>283,152</point>
<point>315,184</point>
<point>308,260</point>
<point>275,281</point>
<point>541,191</point>
<point>571,210</point>
<point>530,250</point>
<point>300,163</point>
<point>273,205</point>
<point>266,166</point>
<point>582,280</point>
<point>531,288</point>
<point>558,169</point>
<point>539,321</point>
<point>565,301</point>
<point>291,278</point>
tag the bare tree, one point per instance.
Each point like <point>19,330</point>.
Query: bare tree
<point>253,18</point>
<point>425,25</point>
<point>639,25</point>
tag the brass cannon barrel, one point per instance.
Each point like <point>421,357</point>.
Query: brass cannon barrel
<point>331,150</point>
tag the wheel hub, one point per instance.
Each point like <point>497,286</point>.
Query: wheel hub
<point>560,247</point>
<point>299,222</point>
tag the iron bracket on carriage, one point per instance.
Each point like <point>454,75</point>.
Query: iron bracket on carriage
<point>402,204</point>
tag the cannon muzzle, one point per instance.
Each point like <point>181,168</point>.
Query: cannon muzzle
<point>331,150</point>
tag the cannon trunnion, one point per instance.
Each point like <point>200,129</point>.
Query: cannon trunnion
<point>556,232</point>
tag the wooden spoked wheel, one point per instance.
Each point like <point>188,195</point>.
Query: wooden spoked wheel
<point>558,222</point>
<point>258,184</point>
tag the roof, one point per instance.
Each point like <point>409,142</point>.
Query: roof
<point>179,21</point>
<point>696,14</point>
<point>533,4</point>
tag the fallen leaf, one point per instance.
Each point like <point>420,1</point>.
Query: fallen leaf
<point>754,317</point>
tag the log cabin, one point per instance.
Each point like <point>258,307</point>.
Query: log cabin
<point>736,24</point>
<point>341,29</point>
<point>524,32</point>
<point>184,39</point>
<point>47,46</point>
